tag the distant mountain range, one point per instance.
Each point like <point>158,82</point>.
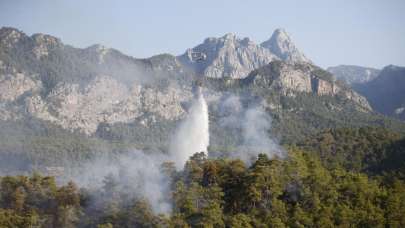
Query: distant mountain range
<point>384,89</point>
<point>101,93</point>
<point>354,74</point>
<point>386,92</point>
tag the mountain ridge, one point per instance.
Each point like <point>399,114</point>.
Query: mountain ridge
<point>281,44</point>
<point>81,89</point>
<point>234,57</point>
<point>353,74</point>
<point>386,92</point>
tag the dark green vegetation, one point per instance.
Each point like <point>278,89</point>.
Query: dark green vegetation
<point>302,114</point>
<point>294,116</point>
<point>346,165</point>
<point>346,178</point>
<point>374,151</point>
<point>30,145</point>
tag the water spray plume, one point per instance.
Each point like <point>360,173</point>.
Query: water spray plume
<point>192,134</point>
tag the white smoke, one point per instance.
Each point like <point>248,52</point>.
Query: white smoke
<point>136,174</point>
<point>139,174</point>
<point>192,134</point>
<point>254,124</point>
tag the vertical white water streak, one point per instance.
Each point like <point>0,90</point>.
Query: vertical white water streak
<point>192,134</point>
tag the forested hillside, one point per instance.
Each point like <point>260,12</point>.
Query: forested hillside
<point>346,177</point>
<point>229,134</point>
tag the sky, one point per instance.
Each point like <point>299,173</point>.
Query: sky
<point>330,32</point>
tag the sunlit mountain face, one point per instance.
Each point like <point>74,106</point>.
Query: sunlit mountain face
<point>230,132</point>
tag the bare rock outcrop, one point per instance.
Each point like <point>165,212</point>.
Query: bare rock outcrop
<point>291,79</point>
<point>104,100</point>
<point>231,57</point>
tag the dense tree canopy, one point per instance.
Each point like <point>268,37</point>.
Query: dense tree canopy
<point>346,177</point>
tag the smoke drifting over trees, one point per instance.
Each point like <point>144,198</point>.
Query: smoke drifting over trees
<point>254,124</point>
<point>137,174</point>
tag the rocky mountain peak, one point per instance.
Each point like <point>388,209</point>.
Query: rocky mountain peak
<point>227,56</point>
<point>43,44</point>
<point>290,79</point>
<point>282,46</point>
<point>7,31</point>
<point>229,37</point>
<point>46,40</point>
<point>234,57</point>
<point>9,36</point>
<point>39,44</point>
<point>281,34</point>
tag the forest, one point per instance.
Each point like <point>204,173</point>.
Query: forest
<point>337,178</point>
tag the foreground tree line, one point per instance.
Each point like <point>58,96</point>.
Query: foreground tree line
<point>307,189</point>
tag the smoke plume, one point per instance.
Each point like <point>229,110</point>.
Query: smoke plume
<point>136,175</point>
<point>254,125</point>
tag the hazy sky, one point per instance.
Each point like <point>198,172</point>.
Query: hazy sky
<point>330,32</point>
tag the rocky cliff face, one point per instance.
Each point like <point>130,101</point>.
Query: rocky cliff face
<point>354,74</point>
<point>105,100</point>
<point>79,89</point>
<point>232,57</point>
<point>293,78</point>
<point>281,45</point>
<point>227,56</point>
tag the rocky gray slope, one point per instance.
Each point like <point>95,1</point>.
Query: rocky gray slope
<point>386,93</point>
<point>79,89</point>
<point>232,57</point>
<point>354,74</point>
<point>294,78</point>
<point>281,45</point>
<point>61,105</point>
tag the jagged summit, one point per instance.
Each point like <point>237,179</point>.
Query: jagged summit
<point>89,90</point>
<point>13,35</point>
<point>282,46</point>
<point>229,36</point>
<point>227,56</point>
<point>8,30</point>
<point>234,57</point>
<point>9,36</point>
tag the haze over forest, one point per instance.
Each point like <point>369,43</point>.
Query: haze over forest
<point>208,114</point>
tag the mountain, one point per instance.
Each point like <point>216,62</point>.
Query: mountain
<point>301,99</point>
<point>56,99</point>
<point>79,88</point>
<point>281,45</point>
<point>354,74</point>
<point>292,78</point>
<point>227,56</point>
<point>230,56</point>
<point>386,93</point>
